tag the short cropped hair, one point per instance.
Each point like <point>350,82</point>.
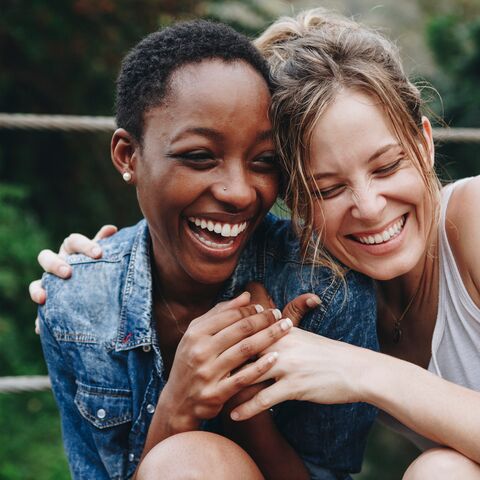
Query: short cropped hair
<point>147,69</point>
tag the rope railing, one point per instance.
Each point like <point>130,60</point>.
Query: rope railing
<point>27,121</point>
<point>31,383</point>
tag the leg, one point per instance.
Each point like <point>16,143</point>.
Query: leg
<point>197,456</point>
<point>442,464</point>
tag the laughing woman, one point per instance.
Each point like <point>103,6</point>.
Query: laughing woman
<point>360,156</point>
<point>140,356</point>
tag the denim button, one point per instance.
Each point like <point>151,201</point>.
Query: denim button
<point>146,348</point>
<point>131,457</point>
<point>101,413</point>
<point>150,408</point>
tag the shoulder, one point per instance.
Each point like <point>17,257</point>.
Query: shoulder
<point>94,291</point>
<point>463,231</point>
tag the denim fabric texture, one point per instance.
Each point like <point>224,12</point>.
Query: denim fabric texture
<point>100,345</point>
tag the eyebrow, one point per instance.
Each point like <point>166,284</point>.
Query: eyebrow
<point>216,135</point>
<point>374,156</point>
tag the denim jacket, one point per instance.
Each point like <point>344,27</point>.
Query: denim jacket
<point>100,345</point>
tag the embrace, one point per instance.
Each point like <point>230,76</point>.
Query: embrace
<point>163,366</point>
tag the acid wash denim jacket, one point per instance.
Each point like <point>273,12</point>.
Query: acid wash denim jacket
<point>100,345</point>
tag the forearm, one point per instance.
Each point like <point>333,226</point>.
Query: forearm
<point>435,408</point>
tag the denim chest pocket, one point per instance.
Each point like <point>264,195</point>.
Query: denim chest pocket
<point>108,412</point>
<point>104,407</point>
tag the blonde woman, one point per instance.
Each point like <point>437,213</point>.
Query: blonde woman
<point>360,158</point>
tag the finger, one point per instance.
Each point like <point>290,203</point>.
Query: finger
<point>239,353</point>
<point>78,243</point>
<point>239,301</point>
<point>259,294</point>
<point>37,293</point>
<point>245,327</point>
<point>263,400</point>
<point>247,376</point>
<point>214,323</point>
<point>105,232</point>
<point>52,263</point>
<point>300,306</point>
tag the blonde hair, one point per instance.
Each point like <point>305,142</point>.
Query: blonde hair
<point>312,58</point>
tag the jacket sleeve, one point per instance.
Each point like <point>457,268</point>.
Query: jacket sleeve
<point>83,457</point>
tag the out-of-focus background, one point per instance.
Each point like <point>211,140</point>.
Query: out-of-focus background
<point>61,57</point>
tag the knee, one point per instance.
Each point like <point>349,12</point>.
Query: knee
<point>442,464</point>
<point>197,456</point>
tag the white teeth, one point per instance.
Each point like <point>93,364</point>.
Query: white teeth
<point>223,229</point>
<point>209,243</point>
<point>384,236</point>
<point>226,230</point>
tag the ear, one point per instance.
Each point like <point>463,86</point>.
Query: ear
<point>428,134</point>
<point>125,152</point>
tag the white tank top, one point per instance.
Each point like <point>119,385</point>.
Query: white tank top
<point>456,336</point>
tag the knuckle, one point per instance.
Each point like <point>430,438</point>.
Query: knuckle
<point>262,399</point>
<point>197,355</point>
<point>246,349</point>
<point>247,326</point>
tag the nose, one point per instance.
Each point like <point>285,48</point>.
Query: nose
<point>235,189</point>
<point>368,204</point>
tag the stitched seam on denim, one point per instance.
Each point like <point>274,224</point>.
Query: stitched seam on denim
<point>85,338</point>
<point>103,391</point>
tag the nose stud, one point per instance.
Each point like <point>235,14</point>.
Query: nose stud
<point>224,189</point>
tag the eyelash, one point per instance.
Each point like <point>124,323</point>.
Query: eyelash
<point>337,189</point>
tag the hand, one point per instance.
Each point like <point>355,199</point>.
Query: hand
<point>215,345</point>
<point>295,310</point>
<point>55,262</point>
<point>309,368</point>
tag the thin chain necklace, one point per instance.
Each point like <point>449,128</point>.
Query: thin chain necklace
<point>397,327</point>
<point>156,288</point>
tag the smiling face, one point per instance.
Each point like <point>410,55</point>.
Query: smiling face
<point>374,207</point>
<point>206,174</point>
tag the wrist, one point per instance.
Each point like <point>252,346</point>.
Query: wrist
<point>176,419</point>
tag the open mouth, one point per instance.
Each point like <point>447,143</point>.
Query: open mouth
<point>216,235</point>
<point>382,237</point>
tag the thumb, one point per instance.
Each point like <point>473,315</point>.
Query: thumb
<point>300,306</point>
<point>259,295</point>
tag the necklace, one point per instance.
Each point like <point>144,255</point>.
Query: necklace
<point>156,288</point>
<point>397,327</point>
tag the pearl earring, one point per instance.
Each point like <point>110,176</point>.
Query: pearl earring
<point>127,176</point>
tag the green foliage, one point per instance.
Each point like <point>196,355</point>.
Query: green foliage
<point>455,44</point>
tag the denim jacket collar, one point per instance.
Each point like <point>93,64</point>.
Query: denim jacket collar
<point>135,327</point>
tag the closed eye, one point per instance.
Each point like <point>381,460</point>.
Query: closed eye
<point>388,169</point>
<point>199,159</point>
<point>329,192</point>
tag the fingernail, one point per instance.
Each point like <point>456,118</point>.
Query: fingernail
<point>277,313</point>
<point>272,357</point>
<point>313,301</point>
<point>96,251</point>
<point>64,271</point>
<point>259,308</point>
<point>235,416</point>
<point>285,324</point>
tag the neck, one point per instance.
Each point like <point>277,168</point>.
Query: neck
<point>178,289</point>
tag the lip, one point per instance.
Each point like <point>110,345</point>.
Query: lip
<point>378,230</point>
<point>381,248</point>
<point>216,253</point>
